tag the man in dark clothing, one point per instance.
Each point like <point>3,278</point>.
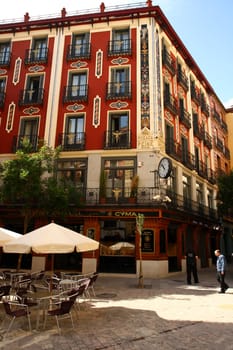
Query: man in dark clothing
<point>191,266</point>
<point>221,270</point>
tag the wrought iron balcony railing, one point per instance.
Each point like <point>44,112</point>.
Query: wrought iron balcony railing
<point>34,56</point>
<point>72,141</point>
<point>150,197</point>
<point>218,144</point>
<point>216,115</point>
<point>31,97</point>
<point>120,90</point>
<point>18,142</point>
<point>170,103</point>
<point>198,131</point>
<point>182,80</point>
<point>117,139</point>
<point>195,96</point>
<point>207,140</point>
<point>201,169</point>
<point>75,93</point>
<point>168,61</point>
<point>81,51</point>
<point>119,47</point>
<point>185,117</point>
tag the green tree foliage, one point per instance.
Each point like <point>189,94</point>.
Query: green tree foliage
<point>225,194</point>
<point>29,182</point>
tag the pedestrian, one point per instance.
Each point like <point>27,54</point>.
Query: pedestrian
<point>221,270</point>
<point>191,266</point>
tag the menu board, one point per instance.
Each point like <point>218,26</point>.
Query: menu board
<point>147,240</point>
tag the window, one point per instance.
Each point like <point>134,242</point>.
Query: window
<point>77,89</point>
<point>73,171</point>
<point>80,46</point>
<point>2,91</point>
<point>34,90</point>
<point>184,144</point>
<point>118,135</point>
<point>4,53</point>
<point>39,49</point>
<point>29,131</point>
<point>187,191</point>
<point>120,85</point>
<point>74,133</point>
<point>199,195</point>
<point>119,174</point>
<point>120,43</point>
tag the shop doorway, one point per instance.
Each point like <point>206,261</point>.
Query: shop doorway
<point>173,262</point>
<point>117,246</point>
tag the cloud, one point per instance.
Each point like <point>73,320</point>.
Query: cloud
<point>229,103</point>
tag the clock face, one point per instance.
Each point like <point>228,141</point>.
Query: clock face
<point>165,168</point>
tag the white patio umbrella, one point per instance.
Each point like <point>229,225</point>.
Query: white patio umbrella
<point>51,239</point>
<point>7,235</point>
<point>120,245</point>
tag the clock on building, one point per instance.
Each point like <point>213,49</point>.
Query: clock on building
<point>165,168</point>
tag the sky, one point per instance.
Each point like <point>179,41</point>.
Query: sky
<point>204,26</point>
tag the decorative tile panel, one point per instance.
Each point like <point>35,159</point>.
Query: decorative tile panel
<point>17,70</point>
<point>10,117</point>
<point>96,111</point>
<point>75,107</point>
<point>99,63</point>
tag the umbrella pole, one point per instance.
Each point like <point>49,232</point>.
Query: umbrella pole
<point>51,274</point>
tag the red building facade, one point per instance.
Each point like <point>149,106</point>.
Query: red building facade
<point>118,91</point>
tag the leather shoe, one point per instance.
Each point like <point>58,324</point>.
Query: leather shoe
<point>221,292</point>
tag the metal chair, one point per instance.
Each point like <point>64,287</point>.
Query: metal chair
<point>93,279</point>
<point>15,310</point>
<point>62,310</point>
<point>4,290</point>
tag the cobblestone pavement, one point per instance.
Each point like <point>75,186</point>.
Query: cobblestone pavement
<point>165,314</point>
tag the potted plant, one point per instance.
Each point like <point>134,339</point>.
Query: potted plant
<point>134,188</point>
<point>102,188</point>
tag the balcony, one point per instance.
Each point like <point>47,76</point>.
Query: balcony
<point>36,56</point>
<point>75,93</point>
<point>168,62</point>
<point>18,142</point>
<point>72,141</point>
<point>205,108</point>
<point>31,97</point>
<point>117,139</point>
<point>224,126</point>
<point>201,169</point>
<point>148,196</point>
<point>226,153</point>
<point>198,131</point>
<point>195,96</point>
<point>182,80</point>
<point>170,103</point>
<point>5,59</point>
<point>119,47</point>
<point>216,116</point>
<point>218,144</point>
<point>211,176</point>
<point>173,149</point>
<point>118,90</point>
<point>188,159</point>
<point>77,52</point>
<point>185,118</point>
<point>207,140</point>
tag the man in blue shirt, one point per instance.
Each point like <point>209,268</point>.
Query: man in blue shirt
<point>221,270</point>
